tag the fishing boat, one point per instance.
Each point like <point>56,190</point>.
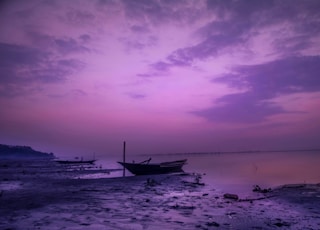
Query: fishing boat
<point>145,168</point>
<point>75,161</point>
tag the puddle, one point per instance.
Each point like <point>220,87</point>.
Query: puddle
<point>10,185</point>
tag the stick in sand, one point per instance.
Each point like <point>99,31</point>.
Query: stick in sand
<point>124,158</point>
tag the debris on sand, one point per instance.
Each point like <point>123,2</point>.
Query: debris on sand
<point>256,188</point>
<point>214,224</point>
<point>48,197</point>
<point>231,196</point>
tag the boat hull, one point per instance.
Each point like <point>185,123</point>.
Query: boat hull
<point>148,169</point>
<point>75,162</point>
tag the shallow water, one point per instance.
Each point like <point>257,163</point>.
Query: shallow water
<point>9,185</point>
<point>238,172</point>
<point>167,202</point>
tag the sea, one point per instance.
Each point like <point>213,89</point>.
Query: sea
<point>235,172</point>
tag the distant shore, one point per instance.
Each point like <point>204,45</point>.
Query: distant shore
<point>22,152</point>
<point>238,151</point>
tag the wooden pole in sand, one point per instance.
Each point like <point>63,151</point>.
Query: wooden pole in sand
<point>124,158</point>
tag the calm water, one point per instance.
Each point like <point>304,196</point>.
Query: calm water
<point>240,171</point>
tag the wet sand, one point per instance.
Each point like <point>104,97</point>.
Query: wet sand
<point>42,195</point>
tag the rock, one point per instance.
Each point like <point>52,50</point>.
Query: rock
<point>151,182</point>
<point>215,224</point>
<point>282,224</point>
<point>231,196</point>
<point>256,188</point>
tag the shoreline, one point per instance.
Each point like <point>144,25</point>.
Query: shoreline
<point>40,200</point>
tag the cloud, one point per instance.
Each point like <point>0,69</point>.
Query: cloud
<point>237,23</point>
<point>240,108</point>
<point>155,13</point>
<point>138,43</point>
<point>69,45</point>
<point>266,12</point>
<point>139,29</point>
<point>291,75</point>
<point>161,66</point>
<point>263,82</point>
<point>136,95</point>
<point>61,45</point>
<point>144,75</point>
<point>74,93</point>
<point>80,17</point>
<point>22,67</point>
<point>85,38</point>
<point>238,9</point>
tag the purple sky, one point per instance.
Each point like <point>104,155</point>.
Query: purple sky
<point>78,77</point>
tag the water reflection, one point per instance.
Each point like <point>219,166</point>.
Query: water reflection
<point>240,171</point>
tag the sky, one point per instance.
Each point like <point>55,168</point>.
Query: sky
<point>78,76</point>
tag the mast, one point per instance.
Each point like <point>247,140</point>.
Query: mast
<point>124,158</point>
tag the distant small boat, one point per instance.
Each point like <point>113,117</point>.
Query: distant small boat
<point>75,162</point>
<point>145,168</point>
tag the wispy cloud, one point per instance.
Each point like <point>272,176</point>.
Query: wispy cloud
<point>155,13</point>
<point>263,83</point>
<point>22,67</point>
<point>136,95</point>
<point>69,45</point>
<point>238,23</point>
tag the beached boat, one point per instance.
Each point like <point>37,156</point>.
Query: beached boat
<point>75,161</point>
<point>145,168</point>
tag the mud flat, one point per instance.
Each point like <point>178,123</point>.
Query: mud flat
<point>40,195</point>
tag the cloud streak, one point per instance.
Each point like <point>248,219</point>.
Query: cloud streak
<point>23,67</point>
<point>238,23</point>
<point>263,82</point>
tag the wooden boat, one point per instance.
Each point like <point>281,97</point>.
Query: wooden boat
<point>75,161</point>
<point>145,168</point>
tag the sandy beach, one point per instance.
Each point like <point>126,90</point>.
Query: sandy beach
<point>42,195</point>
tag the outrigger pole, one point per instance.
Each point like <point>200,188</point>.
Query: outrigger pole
<point>124,158</point>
